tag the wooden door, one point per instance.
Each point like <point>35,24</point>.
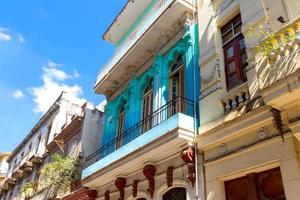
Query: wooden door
<point>265,185</point>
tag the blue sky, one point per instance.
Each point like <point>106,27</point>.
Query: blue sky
<point>46,46</point>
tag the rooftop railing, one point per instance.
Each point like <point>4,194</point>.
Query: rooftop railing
<point>177,105</point>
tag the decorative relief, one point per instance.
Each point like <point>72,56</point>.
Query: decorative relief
<point>135,188</point>
<point>262,133</point>
<point>277,121</point>
<point>208,76</point>
<point>106,195</point>
<point>188,156</point>
<point>149,172</point>
<point>170,176</point>
<point>120,184</point>
<point>222,149</point>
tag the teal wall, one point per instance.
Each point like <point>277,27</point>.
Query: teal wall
<point>159,72</point>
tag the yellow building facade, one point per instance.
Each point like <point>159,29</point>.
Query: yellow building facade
<point>249,138</point>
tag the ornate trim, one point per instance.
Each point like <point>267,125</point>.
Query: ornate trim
<point>135,188</point>
<point>170,176</point>
<point>106,195</point>
<point>149,172</point>
<point>206,79</point>
<point>277,121</point>
<point>120,184</point>
<point>188,156</point>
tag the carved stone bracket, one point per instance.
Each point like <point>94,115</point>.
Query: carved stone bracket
<point>149,172</point>
<point>188,156</point>
<point>92,194</point>
<point>120,184</point>
<point>277,122</point>
<point>135,188</point>
<point>170,176</point>
<point>106,195</point>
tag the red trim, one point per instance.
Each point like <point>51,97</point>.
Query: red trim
<point>188,156</point>
<point>120,184</point>
<point>149,172</point>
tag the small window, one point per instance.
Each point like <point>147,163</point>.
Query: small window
<point>147,106</point>
<point>234,52</point>
<point>38,143</point>
<point>177,85</point>
<point>121,124</point>
<point>29,148</point>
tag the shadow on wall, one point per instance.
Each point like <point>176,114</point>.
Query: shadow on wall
<point>270,73</point>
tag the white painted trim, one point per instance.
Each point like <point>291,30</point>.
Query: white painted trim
<point>176,183</point>
<point>140,194</point>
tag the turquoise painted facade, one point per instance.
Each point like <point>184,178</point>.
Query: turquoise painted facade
<point>159,72</point>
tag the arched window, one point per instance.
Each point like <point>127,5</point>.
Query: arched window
<point>120,129</point>
<point>177,85</point>
<point>178,193</point>
<point>147,106</point>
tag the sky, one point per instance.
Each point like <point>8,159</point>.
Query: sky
<point>47,46</point>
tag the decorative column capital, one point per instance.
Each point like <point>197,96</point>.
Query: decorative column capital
<point>106,195</point>
<point>149,172</point>
<point>188,156</point>
<point>120,184</point>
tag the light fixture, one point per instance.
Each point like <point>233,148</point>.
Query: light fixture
<point>281,20</point>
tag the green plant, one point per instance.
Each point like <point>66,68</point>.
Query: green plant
<point>29,190</point>
<point>269,42</point>
<point>58,175</point>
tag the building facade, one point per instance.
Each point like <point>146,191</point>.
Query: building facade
<point>248,137</point>
<point>152,86</point>
<point>3,169</point>
<point>70,127</point>
<point>242,143</point>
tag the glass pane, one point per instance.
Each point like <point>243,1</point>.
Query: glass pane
<point>229,52</point>
<point>226,27</point>
<point>237,19</point>
<point>231,68</point>
<point>242,43</point>
<point>227,37</point>
<point>233,80</point>
<point>244,59</point>
<point>237,28</point>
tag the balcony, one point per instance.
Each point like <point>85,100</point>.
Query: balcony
<point>159,25</point>
<point>25,166</point>
<point>171,125</point>
<point>278,72</point>
<point>68,131</point>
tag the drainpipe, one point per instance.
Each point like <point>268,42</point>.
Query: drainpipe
<point>200,191</point>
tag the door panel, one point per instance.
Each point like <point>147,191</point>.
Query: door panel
<point>265,185</point>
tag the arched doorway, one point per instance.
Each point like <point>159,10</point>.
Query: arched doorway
<point>178,193</point>
<point>141,199</point>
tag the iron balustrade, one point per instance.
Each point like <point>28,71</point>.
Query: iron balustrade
<point>177,105</point>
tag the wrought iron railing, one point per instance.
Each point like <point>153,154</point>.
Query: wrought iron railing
<point>177,105</point>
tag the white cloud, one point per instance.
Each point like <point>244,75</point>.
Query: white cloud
<point>18,94</point>
<point>76,74</point>
<point>54,82</point>
<point>4,35</point>
<point>21,38</point>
